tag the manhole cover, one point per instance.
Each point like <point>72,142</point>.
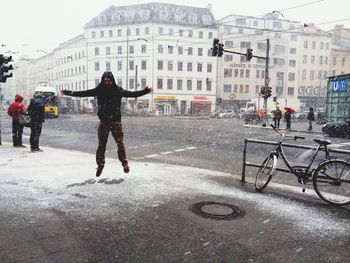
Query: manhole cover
<point>216,210</point>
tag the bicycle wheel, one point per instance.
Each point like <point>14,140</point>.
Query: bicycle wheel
<point>332,182</point>
<point>265,172</point>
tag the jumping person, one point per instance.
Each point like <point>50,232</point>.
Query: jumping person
<point>109,97</point>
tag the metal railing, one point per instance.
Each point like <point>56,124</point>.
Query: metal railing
<point>308,147</point>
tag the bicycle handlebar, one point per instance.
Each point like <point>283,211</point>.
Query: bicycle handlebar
<point>283,135</point>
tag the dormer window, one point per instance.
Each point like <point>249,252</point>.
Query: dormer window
<point>164,15</point>
<point>177,17</point>
<point>206,20</point>
<point>192,18</point>
<point>102,19</point>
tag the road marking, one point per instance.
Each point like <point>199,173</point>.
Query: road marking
<point>146,145</point>
<point>152,156</point>
<point>137,158</point>
<point>133,147</point>
<point>166,153</point>
<point>179,150</point>
<point>191,148</point>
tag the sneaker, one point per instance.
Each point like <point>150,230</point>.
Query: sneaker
<point>99,170</point>
<point>126,168</point>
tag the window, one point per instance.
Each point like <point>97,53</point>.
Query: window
<point>227,73</point>
<point>200,51</point>
<point>170,84</point>
<point>110,33</point>
<point>262,46</point>
<point>189,84</point>
<point>159,83</point>
<point>97,51</point>
<point>131,49</point>
<point>290,91</point>
<point>292,50</point>
<point>170,49</point>
<point>137,31</point>
<point>343,62</point>
<point>278,35</point>
<point>326,60</point>
<point>146,30</point>
<point>305,44</point>
<point>190,33</point>
<point>102,34</point>
<point>236,71</point>
<point>180,50</point>
<point>227,88</point>
<point>292,63</point>
<point>199,85</point>
<point>228,57</point>
<point>320,74</point>
<point>229,44</point>
<point>119,51</point>
<point>143,48</point>
<point>246,88</point>
<point>179,84</point>
<point>280,49</point>
<point>245,44</point>
<point>190,51</point>
<point>119,32</point>
<point>143,64</point>
<point>279,61</point>
<point>293,37</point>
<point>160,30</point>
<point>209,68</point>
<point>209,83</point>
<point>170,65</point>
<point>313,45</point>
<point>312,59</point>
<point>108,50</point>
<point>241,88</point>
<point>334,61</point>
<point>200,34</point>
<point>210,35</point>
<point>179,66</point>
<point>160,48</point>
<point>143,83</point>
<point>247,73</point>
<point>93,34</point>
<point>321,45</point>
<point>189,66</point>
<point>241,73</point>
<point>257,75</point>
<point>131,65</point>
<point>131,83</point>
<point>97,66</point>
<point>327,46</point>
<point>171,31</point>
<point>160,64</point>
<point>181,32</point>
<point>312,74</point>
<point>291,76</point>
<point>321,60</point>
<point>303,74</point>
<point>108,66</point>
<point>235,88</point>
<point>119,65</point>
<point>304,59</point>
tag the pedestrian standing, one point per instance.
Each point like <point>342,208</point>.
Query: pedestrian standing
<point>15,110</point>
<point>288,118</point>
<point>109,96</point>
<point>277,117</point>
<point>311,118</point>
<point>36,111</point>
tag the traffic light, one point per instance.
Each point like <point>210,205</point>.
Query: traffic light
<point>249,54</point>
<point>267,92</point>
<point>5,67</point>
<point>220,49</point>
<point>274,98</point>
<point>214,50</point>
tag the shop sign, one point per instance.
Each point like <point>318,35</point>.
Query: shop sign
<point>199,97</point>
<point>339,85</point>
<point>165,97</point>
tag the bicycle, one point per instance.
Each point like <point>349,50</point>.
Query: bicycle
<point>331,178</point>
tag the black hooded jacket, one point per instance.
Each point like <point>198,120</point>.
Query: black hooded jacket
<point>109,98</point>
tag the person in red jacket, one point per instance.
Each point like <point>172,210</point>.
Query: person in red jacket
<point>16,109</point>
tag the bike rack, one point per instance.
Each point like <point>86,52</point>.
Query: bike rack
<point>245,163</point>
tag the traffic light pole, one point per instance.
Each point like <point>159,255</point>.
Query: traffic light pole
<point>267,58</point>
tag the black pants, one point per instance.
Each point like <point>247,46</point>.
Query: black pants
<point>17,131</point>
<point>277,122</point>
<point>35,131</point>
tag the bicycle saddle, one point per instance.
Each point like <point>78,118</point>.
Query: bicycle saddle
<point>322,142</point>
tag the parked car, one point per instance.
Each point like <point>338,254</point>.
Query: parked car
<point>337,129</point>
<point>227,114</point>
<point>251,118</point>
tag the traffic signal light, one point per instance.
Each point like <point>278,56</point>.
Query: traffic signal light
<point>220,49</point>
<point>275,98</point>
<point>267,92</point>
<point>249,54</point>
<point>5,67</point>
<point>214,50</point>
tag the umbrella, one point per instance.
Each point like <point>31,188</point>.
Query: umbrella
<point>289,109</point>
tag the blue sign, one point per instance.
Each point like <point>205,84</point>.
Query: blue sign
<point>339,85</point>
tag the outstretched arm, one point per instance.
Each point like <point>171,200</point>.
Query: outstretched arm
<point>83,93</point>
<point>135,94</point>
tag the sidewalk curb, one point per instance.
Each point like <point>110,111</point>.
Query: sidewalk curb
<point>292,130</point>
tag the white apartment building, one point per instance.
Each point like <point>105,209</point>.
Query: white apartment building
<point>340,51</point>
<point>294,71</point>
<point>314,66</point>
<point>163,45</point>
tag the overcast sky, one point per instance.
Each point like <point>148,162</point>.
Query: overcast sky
<point>30,25</point>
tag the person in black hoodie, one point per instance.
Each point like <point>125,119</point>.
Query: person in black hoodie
<point>36,111</point>
<point>109,97</point>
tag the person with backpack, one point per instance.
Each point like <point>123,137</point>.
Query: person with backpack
<point>15,110</point>
<point>109,96</point>
<point>311,118</point>
<point>36,111</point>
